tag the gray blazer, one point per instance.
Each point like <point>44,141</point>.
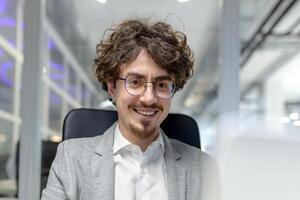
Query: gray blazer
<point>83,169</point>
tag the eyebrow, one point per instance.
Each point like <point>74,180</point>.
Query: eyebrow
<point>143,76</point>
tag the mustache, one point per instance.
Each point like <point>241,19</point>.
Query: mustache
<point>141,105</point>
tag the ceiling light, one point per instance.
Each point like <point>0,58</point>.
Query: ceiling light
<point>44,70</point>
<point>183,1</point>
<point>285,120</point>
<point>294,116</point>
<point>102,1</point>
<point>296,123</point>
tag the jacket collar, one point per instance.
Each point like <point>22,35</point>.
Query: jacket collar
<point>105,144</point>
<point>175,171</point>
<point>103,168</point>
<point>170,151</point>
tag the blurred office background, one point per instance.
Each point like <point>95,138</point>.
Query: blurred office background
<point>246,64</point>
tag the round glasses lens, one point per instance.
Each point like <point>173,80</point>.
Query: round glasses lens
<point>135,85</point>
<point>164,88</point>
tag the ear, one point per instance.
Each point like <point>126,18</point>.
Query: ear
<point>111,89</point>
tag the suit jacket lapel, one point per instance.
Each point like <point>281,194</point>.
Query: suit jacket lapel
<point>176,174</point>
<point>103,167</point>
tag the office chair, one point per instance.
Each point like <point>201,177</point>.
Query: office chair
<point>84,122</point>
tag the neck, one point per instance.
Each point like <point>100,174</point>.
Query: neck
<point>138,139</point>
<point>144,143</point>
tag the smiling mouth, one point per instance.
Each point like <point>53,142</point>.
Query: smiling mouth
<point>147,113</point>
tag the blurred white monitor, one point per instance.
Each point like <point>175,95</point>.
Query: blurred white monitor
<point>260,166</point>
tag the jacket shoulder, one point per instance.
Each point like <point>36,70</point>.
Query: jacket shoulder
<point>190,153</point>
<point>79,146</point>
<point>202,171</point>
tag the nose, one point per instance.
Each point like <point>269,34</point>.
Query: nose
<point>148,97</point>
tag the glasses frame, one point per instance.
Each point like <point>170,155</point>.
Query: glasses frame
<point>145,87</point>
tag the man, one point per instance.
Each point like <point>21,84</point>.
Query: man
<point>141,65</point>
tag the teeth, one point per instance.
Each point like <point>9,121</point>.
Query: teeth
<point>143,112</point>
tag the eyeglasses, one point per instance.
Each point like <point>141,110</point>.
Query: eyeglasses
<point>164,87</point>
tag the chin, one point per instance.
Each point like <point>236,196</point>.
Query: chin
<point>144,130</point>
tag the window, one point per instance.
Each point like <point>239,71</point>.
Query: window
<point>6,82</point>
<point>55,111</point>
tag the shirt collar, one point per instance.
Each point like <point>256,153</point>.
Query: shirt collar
<point>121,142</point>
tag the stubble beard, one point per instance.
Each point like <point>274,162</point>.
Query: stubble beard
<point>145,130</point>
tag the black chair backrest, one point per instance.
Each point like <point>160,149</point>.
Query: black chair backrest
<point>84,122</point>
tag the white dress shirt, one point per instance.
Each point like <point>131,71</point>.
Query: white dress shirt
<point>139,175</point>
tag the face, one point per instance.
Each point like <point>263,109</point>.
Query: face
<point>140,116</point>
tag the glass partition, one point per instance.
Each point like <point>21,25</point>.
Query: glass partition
<point>55,112</point>
<point>6,82</point>
<point>56,65</point>
<point>8,23</point>
<point>8,184</point>
<point>10,67</point>
<point>72,90</point>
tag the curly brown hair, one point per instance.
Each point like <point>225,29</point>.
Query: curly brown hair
<point>167,47</point>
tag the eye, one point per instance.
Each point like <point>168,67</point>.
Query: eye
<point>162,85</point>
<point>134,82</point>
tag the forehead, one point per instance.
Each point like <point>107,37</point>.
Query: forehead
<point>143,65</point>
